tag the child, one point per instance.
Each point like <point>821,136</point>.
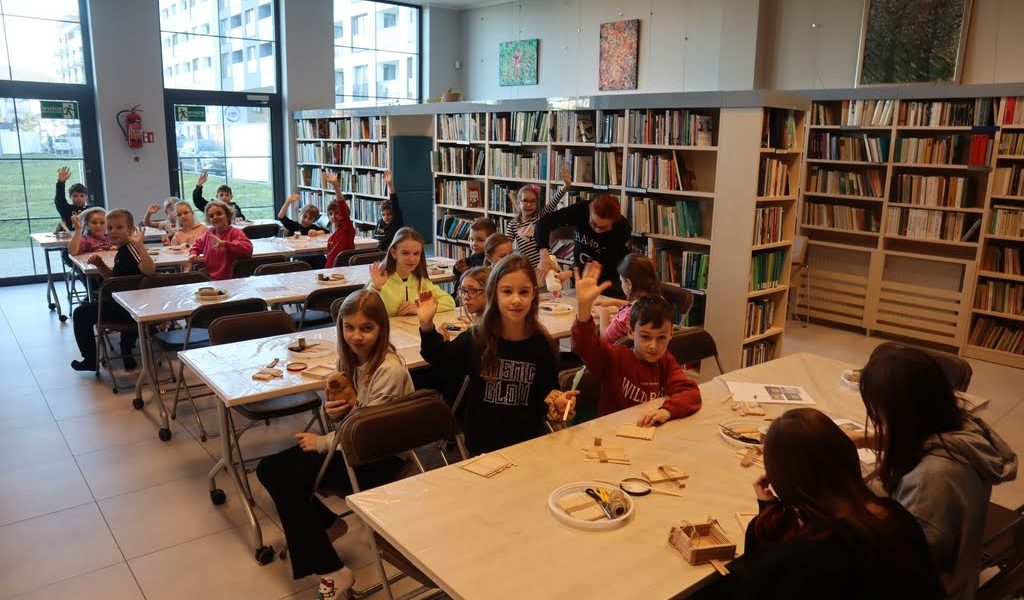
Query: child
<point>390,215</point>
<point>344,236</point>
<point>639,279</point>
<point>94,239</point>
<point>471,291</point>
<point>521,227</point>
<point>188,229</point>
<point>937,460</point>
<point>823,533</point>
<point>131,259</point>
<point>403,276</point>
<point>223,194</point>
<point>378,376</point>
<point>79,197</point>
<point>479,230</point>
<point>497,247</point>
<point>306,225</point>
<point>508,357</point>
<point>630,376</point>
<point>220,245</point>
<point>168,225</point>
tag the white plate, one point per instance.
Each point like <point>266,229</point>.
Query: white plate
<point>599,525</point>
<point>216,298</point>
<point>554,307</point>
<point>746,422</point>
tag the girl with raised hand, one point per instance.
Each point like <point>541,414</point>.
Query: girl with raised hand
<point>402,276</point>
<point>220,246</point>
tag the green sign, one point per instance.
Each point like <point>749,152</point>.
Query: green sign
<point>55,109</point>
<point>184,112</point>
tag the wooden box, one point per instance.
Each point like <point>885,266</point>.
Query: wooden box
<point>701,542</point>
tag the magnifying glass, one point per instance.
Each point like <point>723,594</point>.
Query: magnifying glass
<point>634,486</point>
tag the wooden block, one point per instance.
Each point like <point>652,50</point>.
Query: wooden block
<point>629,430</point>
<point>266,374</point>
<point>581,506</point>
<point>748,457</point>
<point>487,465</point>
<point>673,474</point>
<point>318,372</point>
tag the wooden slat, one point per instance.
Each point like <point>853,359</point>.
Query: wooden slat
<point>838,276</point>
<point>835,317</point>
<point>996,356</point>
<point>914,334</point>
<point>920,289</point>
<point>830,298</point>
<point>918,300</point>
<point>915,323</point>
<point>837,286</point>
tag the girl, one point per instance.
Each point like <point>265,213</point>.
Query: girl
<point>306,225</point>
<point>638,279</point>
<point>934,458</point>
<point>379,376</point>
<point>521,228</point>
<point>823,533</point>
<point>220,245</point>
<point>93,240</point>
<point>166,225</point>
<point>471,291</point>
<point>508,357</point>
<point>188,229</point>
<point>403,276</point>
<point>344,236</point>
<point>496,247</point>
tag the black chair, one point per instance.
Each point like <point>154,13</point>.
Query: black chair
<point>366,258</point>
<point>110,321</point>
<point>694,345</point>
<point>290,266</point>
<point>1003,548</point>
<point>958,371</point>
<point>335,309</point>
<point>247,266</point>
<point>265,230</point>
<point>316,310</point>
<point>341,260</point>
<point>680,298</point>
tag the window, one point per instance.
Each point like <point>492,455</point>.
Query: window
<point>339,83</point>
<point>383,39</point>
<point>266,49</point>
<point>264,11</point>
<point>236,57</point>
<point>236,21</point>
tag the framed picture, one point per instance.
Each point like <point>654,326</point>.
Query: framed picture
<point>517,62</point>
<point>620,47</point>
<point>912,41</point>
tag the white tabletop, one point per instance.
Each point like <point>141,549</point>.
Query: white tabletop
<point>509,546</point>
<point>49,240</point>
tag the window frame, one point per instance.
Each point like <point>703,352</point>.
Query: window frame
<point>379,100</point>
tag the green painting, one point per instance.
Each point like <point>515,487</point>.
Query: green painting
<point>517,62</point>
<point>913,41</point>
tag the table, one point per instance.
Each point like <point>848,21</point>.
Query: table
<point>509,546</point>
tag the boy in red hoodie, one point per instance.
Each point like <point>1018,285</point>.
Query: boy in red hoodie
<point>646,371</point>
<point>344,236</point>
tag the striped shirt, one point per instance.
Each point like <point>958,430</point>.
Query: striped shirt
<point>521,230</point>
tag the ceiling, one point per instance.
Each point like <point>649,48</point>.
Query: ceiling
<point>456,4</point>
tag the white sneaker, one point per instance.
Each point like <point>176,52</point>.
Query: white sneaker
<point>336,585</point>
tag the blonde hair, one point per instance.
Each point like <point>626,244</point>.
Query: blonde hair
<point>230,212</point>
<point>312,209</point>
<point>85,215</point>
<point>121,213</point>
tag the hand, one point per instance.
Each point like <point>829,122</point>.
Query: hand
<point>76,221</point>
<point>566,175</point>
<point>336,409</point>
<point>587,287</point>
<point>564,275</point>
<point>292,199</point>
<point>761,489</point>
<point>378,274</point>
<point>388,178</point>
<point>406,309</point>
<point>314,233</point>
<point>166,241</point>
<point>544,265</point>
<point>426,308</point>
<point>137,235</point>
<point>202,179</point>
<point>566,398</point>
<point>460,265</point>
<point>96,260</point>
<point>153,209</point>
<point>63,174</point>
<point>195,258</point>
<point>331,179</point>
<point>307,441</point>
<point>653,418</point>
<point>217,242</point>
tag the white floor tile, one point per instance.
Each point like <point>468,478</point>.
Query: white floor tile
<point>41,489</point>
<point>32,445</point>
<point>97,431</point>
<point>137,466</point>
<point>112,583</point>
<point>24,409</point>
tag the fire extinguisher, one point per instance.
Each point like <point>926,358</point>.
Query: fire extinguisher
<point>132,127</point>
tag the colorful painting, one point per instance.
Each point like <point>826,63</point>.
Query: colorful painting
<point>913,41</point>
<point>517,62</point>
<point>620,47</point>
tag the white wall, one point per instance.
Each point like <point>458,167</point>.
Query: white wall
<point>439,73</point>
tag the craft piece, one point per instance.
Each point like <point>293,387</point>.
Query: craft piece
<point>295,367</point>
<point>310,350</point>
<point>748,408</point>
<point>153,251</point>
<point>210,294</point>
<point>571,504</point>
<point>605,454</point>
<point>487,465</point>
<point>702,542</point>
<point>554,307</point>
<point>629,430</point>
<point>750,456</point>
<point>666,474</point>
<point>267,374</point>
<point>558,415</point>
<point>273,363</point>
<point>330,277</point>
<point>319,372</point>
<point>743,432</point>
<point>851,378</point>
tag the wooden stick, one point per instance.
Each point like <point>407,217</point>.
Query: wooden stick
<point>666,492</point>
<point>510,463</point>
<point>568,406</point>
<point>617,461</point>
<point>719,566</point>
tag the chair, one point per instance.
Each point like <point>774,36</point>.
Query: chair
<point>265,230</point>
<point>341,260</point>
<point>1003,548</point>
<point>377,432</point>
<point>694,345</point>
<point>290,266</point>
<point>107,323</point>
<point>336,308</point>
<point>366,258</point>
<point>680,298</point>
<point>316,310</point>
<point>158,280</point>
<point>958,371</point>
<point>247,266</point>
<point>798,266</point>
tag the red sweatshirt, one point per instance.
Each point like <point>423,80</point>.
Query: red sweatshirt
<point>344,236</point>
<point>626,380</point>
<point>219,258</point>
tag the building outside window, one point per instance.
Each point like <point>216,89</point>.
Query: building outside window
<point>380,56</point>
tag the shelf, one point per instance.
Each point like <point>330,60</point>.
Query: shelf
<point>693,290</point>
<point>774,198</point>
<point>1004,238</point>
<point>1007,197</point>
<point>946,167</point>
<point>639,191</point>
<point>856,163</point>
<point>500,213</point>
<point>852,128</point>
<point>632,146</point>
<point>574,144</point>
<point>368,141</point>
<point>873,234</point>
<point>440,238</point>
<point>465,208</point>
<point>767,292</point>
<point>1000,315</point>
<point>515,144</point>
<point>334,139</point>
<point>771,246</point>
<point>368,167</point>
<point>307,140</point>
<point>772,332</point>
<point>699,241</point>
<point>844,197</point>
<point>942,208</point>
<point>890,236</point>
<point>998,275</point>
<point>780,151</point>
<point>461,175</point>
<point>368,195</point>
<point>462,142</point>
<point>307,164</point>
<point>853,247</point>
<point>517,179</point>
<point>934,128</point>
<point>1009,156</point>
<point>993,355</point>
<point>930,257</point>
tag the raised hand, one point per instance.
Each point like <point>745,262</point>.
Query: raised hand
<point>137,235</point>
<point>378,274</point>
<point>63,174</point>
<point>153,209</point>
<point>566,175</point>
<point>388,177</point>
<point>76,221</point>
<point>331,179</point>
<point>587,287</point>
<point>202,179</point>
<point>426,308</point>
<point>292,199</point>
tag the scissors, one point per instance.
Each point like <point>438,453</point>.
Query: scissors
<point>602,501</point>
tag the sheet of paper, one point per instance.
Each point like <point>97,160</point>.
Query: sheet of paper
<point>403,339</point>
<point>767,393</point>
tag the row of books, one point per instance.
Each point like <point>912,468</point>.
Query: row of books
<point>773,177</point>
<point>1013,112</point>
<point>309,153</point>
<point>760,316</point>
<point>369,128</point>
<point>653,171</point>
<point>778,129</point>
<point>837,216</point>
<point>683,268</point>
<point>459,192</point>
<point>581,166</point>
<point>1000,296</point>
<point>606,167</point>
<point>611,128</point>
<point>758,352</point>
<point>315,198</point>
<point>1008,181</point>
<point>1003,259</point>
<point>456,251</point>
<point>927,224</point>
<point>695,317</point>
<point>454,227</point>
<point>945,113</point>
<point>458,159</point>
<point>681,219</point>
<point>766,269</point>
<point>462,127</point>
<point>849,183</point>
<point>573,127</point>
<point>768,225</point>
<point>365,155</point>
<point>527,126</point>
<point>670,128</point>
<point>498,198</point>
<point>931,190</point>
<point>364,209</point>
<point>532,165</point>
<point>975,150</point>
<point>314,177</point>
<point>858,113</point>
<point>844,146</point>
<point>333,128</point>
<point>992,334</point>
<point>1007,221</point>
<point>1011,144</point>
<point>561,249</point>
<point>369,183</point>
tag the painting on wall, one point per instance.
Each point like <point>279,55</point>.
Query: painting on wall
<point>517,62</point>
<point>620,47</point>
<point>912,41</point>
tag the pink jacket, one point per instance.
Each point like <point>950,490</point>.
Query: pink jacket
<point>220,257</point>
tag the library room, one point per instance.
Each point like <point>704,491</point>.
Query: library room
<point>488,299</point>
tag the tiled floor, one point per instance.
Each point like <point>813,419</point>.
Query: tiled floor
<point>92,505</point>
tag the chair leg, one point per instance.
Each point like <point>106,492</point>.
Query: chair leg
<point>377,554</point>
<point>241,459</point>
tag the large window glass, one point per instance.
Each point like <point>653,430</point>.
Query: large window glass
<point>41,41</point>
<point>219,45</point>
<point>376,53</point>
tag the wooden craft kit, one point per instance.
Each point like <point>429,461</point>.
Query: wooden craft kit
<point>605,454</point>
<point>747,409</point>
<point>318,372</point>
<point>266,374</point>
<point>666,474</point>
<point>703,542</point>
<point>629,430</point>
<point>488,465</point>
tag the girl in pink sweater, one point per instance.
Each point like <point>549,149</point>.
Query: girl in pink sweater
<point>639,279</point>
<point>222,244</point>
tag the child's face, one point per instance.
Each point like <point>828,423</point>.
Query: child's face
<point>499,253</point>
<point>217,217</point>
<point>386,215</point>
<point>335,216</point>
<point>515,296</point>
<point>186,218</point>
<point>118,230</point>
<point>473,298</point>
<point>97,225</point>
<point>78,198</point>
<point>600,225</point>
<point>308,217</point>
<point>477,239</point>
<point>360,334</point>
<point>650,342</point>
<point>529,203</point>
<point>407,256</point>
<point>225,197</point>
<point>171,212</point>
<point>627,286</point>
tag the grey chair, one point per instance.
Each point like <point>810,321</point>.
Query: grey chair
<point>341,260</point>
<point>693,346</point>
<point>109,320</point>
<point>247,266</point>
<point>265,230</point>
<point>288,266</point>
<point>366,258</point>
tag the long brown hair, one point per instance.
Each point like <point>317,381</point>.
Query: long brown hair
<point>639,270</point>
<point>489,331</point>
<point>908,399</point>
<point>372,307</point>
<point>403,234</point>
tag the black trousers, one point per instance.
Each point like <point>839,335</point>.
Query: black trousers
<point>84,319</point>
<point>289,476</point>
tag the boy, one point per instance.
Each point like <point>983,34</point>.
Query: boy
<point>479,231</point>
<point>344,236</point>
<point>168,225</point>
<point>390,216</point>
<point>223,194</point>
<point>79,197</point>
<point>131,259</point>
<point>306,225</point>
<point>646,371</point>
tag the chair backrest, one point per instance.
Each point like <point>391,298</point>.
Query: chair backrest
<point>366,258</point>
<point>250,326</point>
<point>336,308</point>
<point>264,230</point>
<point>205,314</point>
<point>290,266</point>
<point>247,266</point>
<point>323,298</point>
<point>158,280</point>
<point>680,298</point>
<point>958,371</point>
<point>799,250</point>
<point>111,286</point>
<point>341,260</point>
<point>694,345</point>
<point>589,389</point>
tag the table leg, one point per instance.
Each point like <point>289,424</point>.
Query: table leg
<point>52,298</point>
<point>149,371</point>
